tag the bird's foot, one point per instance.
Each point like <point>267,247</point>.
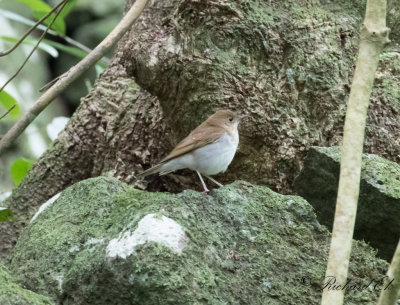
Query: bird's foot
<point>206,191</point>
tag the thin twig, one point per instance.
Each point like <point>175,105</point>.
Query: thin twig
<point>33,25</point>
<point>35,47</point>
<point>391,286</point>
<point>374,35</point>
<point>50,83</point>
<point>8,111</point>
<point>4,53</point>
<point>123,26</point>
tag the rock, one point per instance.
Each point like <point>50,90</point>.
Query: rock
<point>379,201</point>
<point>103,242</point>
<point>13,294</point>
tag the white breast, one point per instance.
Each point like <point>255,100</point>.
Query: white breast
<point>215,158</point>
<point>211,159</point>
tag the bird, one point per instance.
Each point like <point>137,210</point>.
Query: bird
<point>208,149</point>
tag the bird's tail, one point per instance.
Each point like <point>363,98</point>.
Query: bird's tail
<point>155,169</point>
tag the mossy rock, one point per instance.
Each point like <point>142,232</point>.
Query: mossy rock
<point>11,293</point>
<point>103,242</point>
<point>379,200</point>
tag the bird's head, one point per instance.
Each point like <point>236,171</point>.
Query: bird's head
<point>227,118</point>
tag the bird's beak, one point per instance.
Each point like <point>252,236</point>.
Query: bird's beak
<point>242,116</point>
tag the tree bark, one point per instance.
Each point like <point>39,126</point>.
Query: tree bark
<point>286,65</point>
<point>111,133</point>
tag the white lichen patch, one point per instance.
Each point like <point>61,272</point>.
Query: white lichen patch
<point>163,230</point>
<point>236,196</point>
<point>172,46</point>
<point>60,279</point>
<point>73,249</point>
<point>94,241</point>
<point>290,202</point>
<point>46,205</point>
<point>266,283</point>
<point>88,244</point>
<point>153,60</point>
<point>248,234</point>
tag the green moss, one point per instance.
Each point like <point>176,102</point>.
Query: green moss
<point>13,294</point>
<point>383,174</point>
<point>257,12</point>
<point>246,245</point>
<point>379,199</point>
<point>387,79</point>
<point>377,171</point>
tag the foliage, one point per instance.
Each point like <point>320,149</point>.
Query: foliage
<point>40,9</point>
<point>5,214</point>
<point>32,42</point>
<point>8,101</point>
<point>19,169</point>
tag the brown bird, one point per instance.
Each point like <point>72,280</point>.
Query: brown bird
<point>208,149</point>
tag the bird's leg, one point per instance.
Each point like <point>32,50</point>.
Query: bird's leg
<point>206,190</point>
<point>213,180</point>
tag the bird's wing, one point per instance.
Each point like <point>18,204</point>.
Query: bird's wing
<point>199,137</point>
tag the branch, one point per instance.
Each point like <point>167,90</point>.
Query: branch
<point>374,35</point>
<point>37,24</point>
<point>389,294</point>
<point>73,73</point>
<point>8,111</point>
<point>64,2</point>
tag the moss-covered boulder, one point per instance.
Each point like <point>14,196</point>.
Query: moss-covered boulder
<point>11,293</point>
<point>379,201</point>
<point>103,242</point>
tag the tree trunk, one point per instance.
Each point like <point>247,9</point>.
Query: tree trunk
<point>286,65</point>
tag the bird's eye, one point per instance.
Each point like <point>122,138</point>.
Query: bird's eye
<point>230,119</point>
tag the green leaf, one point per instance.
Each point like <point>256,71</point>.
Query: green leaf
<point>36,5</point>
<point>40,9</point>
<point>67,8</point>
<point>88,85</point>
<point>32,42</point>
<point>70,50</point>
<point>5,214</point>
<point>8,101</point>
<point>19,169</point>
<point>21,19</point>
<point>58,25</point>
<point>75,52</point>
<point>100,67</point>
